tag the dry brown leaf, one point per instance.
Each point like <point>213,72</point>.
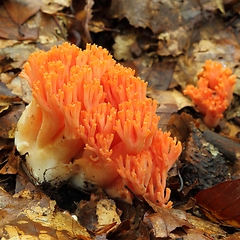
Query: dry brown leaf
<point>210,228</point>
<point>11,30</point>
<point>165,221</point>
<point>53,6</point>
<point>17,54</point>
<point>7,43</point>
<point>6,95</point>
<point>169,103</point>
<point>79,27</point>
<point>157,74</point>
<point>122,45</point>
<point>221,202</point>
<point>87,208</point>
<point>35,217</point>
<point>106,213</point>
<point>97,26</point>
<point>12,164</point>
<point>8,122</point>
<point>158,16</point>
<point>103,216</point>
<point>21,10</point>
<point>234,236</point>
<point>178,125</point>
<point>129,231</point>
<point>220,6</point>
<point>173,42</point>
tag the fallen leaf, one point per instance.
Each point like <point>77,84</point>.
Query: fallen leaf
<point>220,6</point>
<point>21,10</point>
<point>158,75</point>
<point>158,16</point>
<point>11,30</point>
<point>165,221</point>
<point>122,46</point>
<point>97,26</point>
<point>36,218</point>
<point>127,230</point>
<point>5,92</point>
<point>169,102</point>
<point>17,54</point>
<point>173,42</point>
<point>53,6</point>
<point>106,212</point>
<point>208,227</point>
<point>234,236</point>
<point>178,125</point>
<point>86,213</point>
<point>221,202</point>
<point>103,212</point>
<point>12,164</point>
<point>8,122</point>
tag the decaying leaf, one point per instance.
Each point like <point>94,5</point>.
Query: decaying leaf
<point>165,221</point>
<point>158,16</point>
<point>166,42</point>
<point>127,230</point>
<point>220,5</point>
<point>169,102</point>
<point>221,202</point>
<point>106,213</point>
<point>98,215</point>
<point>167,106</point>
<point>97,26</point>
<point>86,213</point>
<point>122,46</point>
<point>16,55</point>
<point>53,6</point>
<point>210,228</point>
<point>173,42</point>
<point>12,164</point>
<point>234,236</point>
<point>21,10</point>
<point>13,15</point>
<point>6,96</point>
<point>8,122</point>
<point>35,217</point>
<point>157,74</point>
<point>178,125</point>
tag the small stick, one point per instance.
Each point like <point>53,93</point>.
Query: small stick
<point>226,146</point>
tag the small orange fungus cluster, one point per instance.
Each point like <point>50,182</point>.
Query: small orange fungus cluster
<point>90,122</point>
<point>214,92</point>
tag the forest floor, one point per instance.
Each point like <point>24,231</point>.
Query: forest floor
<point>167,44</point>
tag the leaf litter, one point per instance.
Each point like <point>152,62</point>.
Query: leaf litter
<point>167,44</point>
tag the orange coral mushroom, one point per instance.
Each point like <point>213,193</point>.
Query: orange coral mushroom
<point>214,92</point>
<point>146,173</point>
<point>91,122</point>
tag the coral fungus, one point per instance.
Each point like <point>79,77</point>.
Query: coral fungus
<point>214,92</point>
<point>90,122</point>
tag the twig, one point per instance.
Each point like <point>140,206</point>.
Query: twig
<point>226,146</point>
